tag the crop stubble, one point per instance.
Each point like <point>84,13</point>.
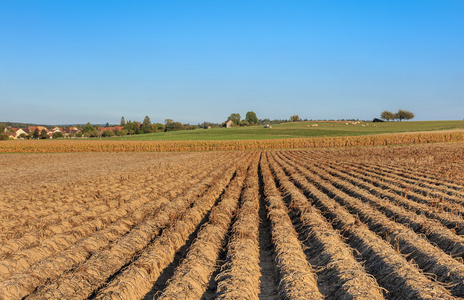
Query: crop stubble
<point>368,223</point>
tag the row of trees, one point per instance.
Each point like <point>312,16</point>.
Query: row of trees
<point>250,119</point>
<point>147,127</point>
<point>134,127</point>
<point>400,115</point>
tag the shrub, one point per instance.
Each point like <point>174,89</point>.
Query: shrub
<point>107,133</point>
<point>244,123</point>
<point>57,134</point>
<point>121,132</point>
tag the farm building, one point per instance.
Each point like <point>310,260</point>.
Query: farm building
<point>227,124</point>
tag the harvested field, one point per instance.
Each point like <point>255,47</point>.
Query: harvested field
<point>350,223</point>
<point>102,145</point>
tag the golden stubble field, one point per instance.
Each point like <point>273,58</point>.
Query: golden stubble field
<point>353,223</point>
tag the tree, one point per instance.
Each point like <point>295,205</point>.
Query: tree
<point>158,127</point>
<point>2,127</point>
<point>44,134</point>
<point>146,121</point>
<point>121,132</point>
<point>92,133</point>
<point>88,127</point>
<point>132,127</point>
<point>147,127</point>
<point>244,123</point>
<point>36,133</point>
<point>404,115</point>
<point>387,115</point>
<point>123,122</point>
<point>294,118</point>
<point>4,137</point>
<point>251,118</point>
<point>174,126</point>
<point>57,134</point>
<point>234,118</point>
<point>107,133</point>
<point>264,121</point>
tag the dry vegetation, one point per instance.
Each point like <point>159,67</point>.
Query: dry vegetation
<point>44,146</point>
<point>352,223</point>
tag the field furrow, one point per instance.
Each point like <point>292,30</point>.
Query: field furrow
<point>326,223</point>
<point>78,204</point>
<point>297,279</point>
<point>436,233</point>
<point>110,261</point>
<point>134,212</point>
<point>425,175</point>
<point>137,279</point>
<point>401,278</point>
<point>413,192</point>
<point>448,219</point>
<point>401,178</point>
<point>191,278</point>
<point>327,247</point>
<point>125,242</point>
<point>239,276</point>
<point>430,258</point>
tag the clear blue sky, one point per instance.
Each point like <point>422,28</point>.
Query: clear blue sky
<point>81,61</point>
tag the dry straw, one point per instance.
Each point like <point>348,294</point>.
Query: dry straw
<point>297,279</point>
<point>178,146</point>
<point>450,220</point>
<point>348,279</point>
<point>144,271</point>
<point>110,260</point>
<point>239,276</point>
<point>61,217</point>
<point>426,187</point>
<point>192,276</point>
<point>446,239</point>
<point>401,278</point>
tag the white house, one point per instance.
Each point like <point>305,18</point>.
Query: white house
<point>19,132</point>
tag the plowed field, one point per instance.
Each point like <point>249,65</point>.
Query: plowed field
<point>354,223</point>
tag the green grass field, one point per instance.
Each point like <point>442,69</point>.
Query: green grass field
<point>297,130</point>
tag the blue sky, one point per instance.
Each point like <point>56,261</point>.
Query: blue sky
<point>193,61</point>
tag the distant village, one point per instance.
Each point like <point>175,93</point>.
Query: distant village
<point>42,132</point>
<point>30,131</point>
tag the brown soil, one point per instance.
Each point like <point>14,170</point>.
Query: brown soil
<point>97,225</point>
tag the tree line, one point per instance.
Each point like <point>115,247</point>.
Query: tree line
<point>134,127</point>
<point>400,115</point>
<point>250,119</point>
<point>146,126</point>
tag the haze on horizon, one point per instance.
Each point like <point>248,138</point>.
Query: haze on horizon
<point>68,62</point>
